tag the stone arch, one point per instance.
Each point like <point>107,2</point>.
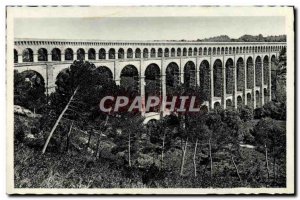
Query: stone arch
<point>190,53</point>
<point>112,53</point>
<point>102,54</point>
<point>80,54</point>
<point>218,78</point>
<point>266,66</point>
<point>229,104</point>
<point>217,105</point>
<point>129,78</point>
<point>35,77</point>
<point>240,74</point>
<point>204,74</point>
<point>152,83</point>
<point>129,53</point>
<point>121,53</point>
<point>60,78</point>
<point>266,95</point>
<point>200,51</point>
<point>258,71</point>
<point>69,54</point>
<point>195,51</point>
<point>239,100</point>
<point>250,73</point>
<point>249,100</point>
<point>178,52</point>
<point>273,60</point>
<point>138,53</point>
<point>190,74</point>
<point>214,51</point>
<point>159,52</point>
<point>173,52</point>
<point>152,53</point>
<point>56,54</point>
<point>258,103</point>
<point>205,51</point>
<point>27,55</point>
<point>145,53</point>
<point>226,50</point>
<point>230,50</point>
<point>273,73</point>
<point>233,50</point>
<point>15,56</point>
<point>172,77</point>
<point>209,51</point>
<point>229,76</point>
<point>184,52</point>
<point>222,50</point>
<point>91,54</point>
<point>42,54</point>
<point>151,121</point>
<point>244,49</point>
<point>166,53</point>
<point>108,74</point>
<point>218,51</point>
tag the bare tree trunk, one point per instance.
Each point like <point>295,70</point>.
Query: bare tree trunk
<point>274,165</point>
<point>98,145</point>
<point>183,157</point>
<point>58,120</point>
<point>89,141</point>
<point>194,158</point>
<point>99,138</point>
<point>210,157</point>
<point>236,169</point>
<point>200,168</point>
<point>267,162</point>
<point>68,136</point>
<point>129,147</point>
<point>162,151</point>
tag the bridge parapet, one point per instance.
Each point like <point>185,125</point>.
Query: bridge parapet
<point>35,50</point>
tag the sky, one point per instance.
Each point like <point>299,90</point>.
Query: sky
<point>147,28</point>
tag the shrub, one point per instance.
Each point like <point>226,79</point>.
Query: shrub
<point>246,113</point>
<point>272,109</point>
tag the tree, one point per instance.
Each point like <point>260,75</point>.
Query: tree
<point>246,113</point>
<point>183,135</point>
<point>214,123</point>
<point>278,78</point>
<point>75,87</point>
<point>29,90</point>
<point>128,127</point>
<point>199,134</point>
<point>162,135</point>
<point>232,135</point>
<point>271,139</point>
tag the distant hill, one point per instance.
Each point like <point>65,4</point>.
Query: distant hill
<point>246,38</point>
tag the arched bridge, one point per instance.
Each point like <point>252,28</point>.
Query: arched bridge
<point>229,74</point>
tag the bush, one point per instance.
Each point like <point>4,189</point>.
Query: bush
<point>272,109</point>
<point>246,113</point>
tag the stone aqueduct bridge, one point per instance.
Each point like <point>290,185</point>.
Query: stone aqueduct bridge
<point>228,73</point>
